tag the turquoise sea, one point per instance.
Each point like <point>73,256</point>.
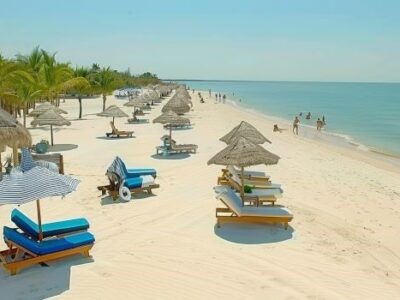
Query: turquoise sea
<point>363,115</point>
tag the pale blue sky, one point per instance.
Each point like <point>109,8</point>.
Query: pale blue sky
<point>326,40</point>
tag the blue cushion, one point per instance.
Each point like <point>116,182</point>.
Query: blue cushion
<point>48,229</point>
<point>48,246</point>
<point>134,182</point>
<point>139,172</point>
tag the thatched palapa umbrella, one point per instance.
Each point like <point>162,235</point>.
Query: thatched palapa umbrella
<point>177,105</point>
<point>13,135</point>
<point>246,130</point>
<point>52,118</point>
<point>243,153</point>
<point>114,112</point>
<point>42,108</point>
<point>171,118</point>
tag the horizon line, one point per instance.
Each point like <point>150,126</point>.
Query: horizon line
<point>301,81</point>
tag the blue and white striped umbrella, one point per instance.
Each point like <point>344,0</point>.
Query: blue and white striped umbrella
<point>35,184</point>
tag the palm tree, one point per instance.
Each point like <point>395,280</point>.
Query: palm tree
<point>33,61</point>
<point>26,92</point>
<point>57,77</point>
<point>11,75</point>
<point>105,83</point>
<point>83,88</point>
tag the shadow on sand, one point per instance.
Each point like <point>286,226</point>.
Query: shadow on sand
<point>39,282</point>
<point>114,138</point>
<point>171,156</point>
<point>62,147</point>
<point>253,233</point>
<point>107,200</point>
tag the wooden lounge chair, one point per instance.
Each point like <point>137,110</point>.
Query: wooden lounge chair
<point>56,158</point>
<point>234,212</point>
<point>254,184</point>
<point>134,185</point>
<point>181,148</point>
<point>255,176</point>
<point>59,228</point>
<point>23,252</point>
<point>117,133</point>
<point>257,196</point>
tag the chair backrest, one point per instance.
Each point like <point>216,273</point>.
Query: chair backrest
<point>56,158</point>
<point>233,183</point>
<point>232,201</point>
<point>118,167</point>
<point>24,223</point>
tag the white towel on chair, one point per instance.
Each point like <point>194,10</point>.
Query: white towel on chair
<point>147,180</point>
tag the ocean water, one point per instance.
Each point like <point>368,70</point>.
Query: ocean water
<point>364,115</point>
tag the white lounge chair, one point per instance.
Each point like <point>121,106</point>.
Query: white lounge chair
<point>235,212</point>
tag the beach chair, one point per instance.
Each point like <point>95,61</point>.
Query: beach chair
<point>144,183</point>
<point>254,184</point>
<point>183,148</point>
<point>116,133</point>
<point>247,174</point>
<point>235,212</point>
<point>177,126</point>
<point>23,252</point>
<point>257,197</point>
<point>59,228</point>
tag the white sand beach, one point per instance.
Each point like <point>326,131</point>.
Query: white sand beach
<point>343,242</point>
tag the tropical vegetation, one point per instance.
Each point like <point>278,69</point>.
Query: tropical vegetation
<point>39,76</point>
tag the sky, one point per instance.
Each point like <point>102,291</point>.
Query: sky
<point>293,40</point>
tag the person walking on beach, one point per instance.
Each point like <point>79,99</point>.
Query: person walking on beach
<point>209,92</point>
<point>216,97</point>
<point>224,98</point>
<point>296,123</point>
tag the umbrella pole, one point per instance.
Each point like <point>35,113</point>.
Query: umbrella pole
<point>39,220</point>
<point>242,184</point>
<point>15,156</point>
<point>51,134</point>
<point>170,133</point>
<point>113,120</point>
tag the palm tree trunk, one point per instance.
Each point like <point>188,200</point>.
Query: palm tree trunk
<point>80,106</point>
<point>25,110</point>
<point>104,101</point>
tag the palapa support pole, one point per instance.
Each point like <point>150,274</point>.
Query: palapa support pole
<point>15,156</point>
<point>113,120</point>
<point>170,132</point>
<point>51,134</point>
<point>242,184</point>
<point>39,220</point>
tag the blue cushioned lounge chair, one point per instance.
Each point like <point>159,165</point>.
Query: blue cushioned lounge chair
<point>24,252</point>
<point>48,229</point>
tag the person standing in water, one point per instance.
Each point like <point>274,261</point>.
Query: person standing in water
<point>296,123</point>
<point>323,120</point>
<point>319,124</point>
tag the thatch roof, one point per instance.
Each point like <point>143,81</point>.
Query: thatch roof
<point>170,117</point>
<point>114,112</point>
<point>177,105</point>
<point>7,120</point>
<point>135,103</point>
<point>246,130</point>
<point>50,117</point>
<point>42,108</point>
<point>11,133</point>
<point>244,153</point>
<point>17,136</point>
